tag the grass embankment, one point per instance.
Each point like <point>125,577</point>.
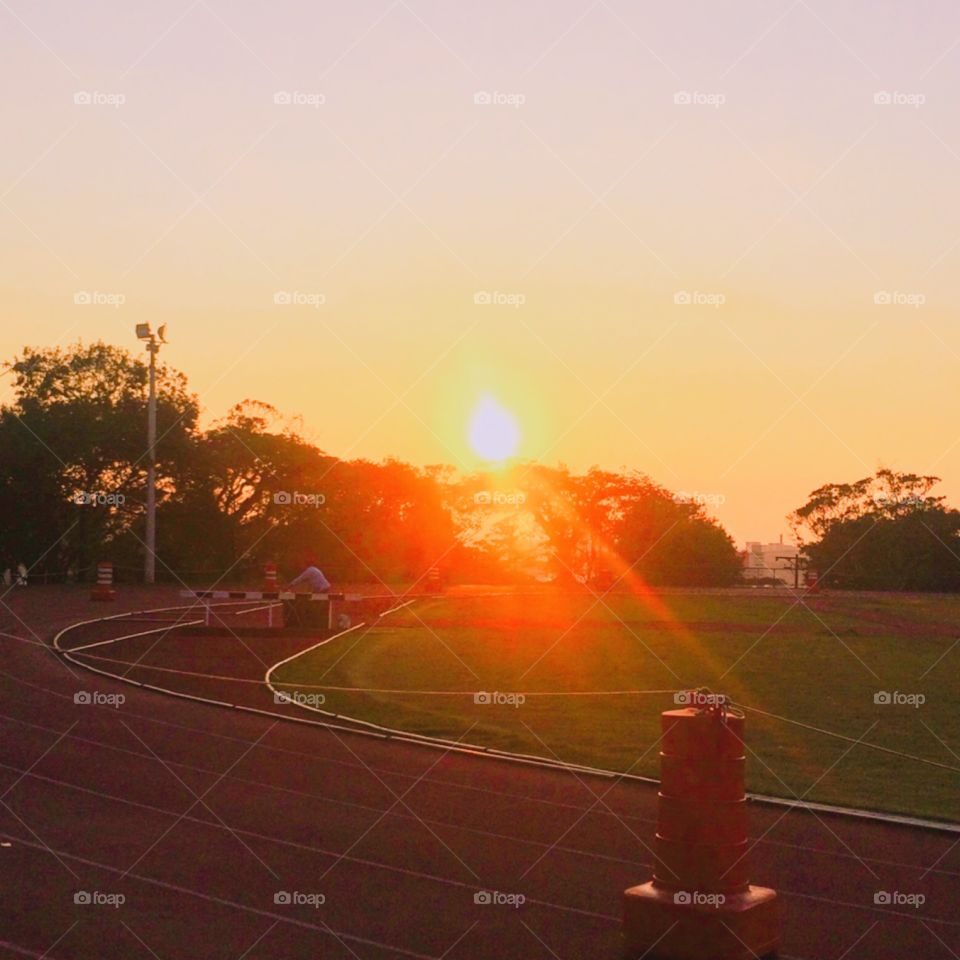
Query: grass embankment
<point>820,663</point>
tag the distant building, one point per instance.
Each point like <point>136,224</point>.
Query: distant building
<point>769,561</point>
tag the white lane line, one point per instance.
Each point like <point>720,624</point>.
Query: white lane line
<point>402,736</point>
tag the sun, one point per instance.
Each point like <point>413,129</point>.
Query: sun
<point>494,433</point>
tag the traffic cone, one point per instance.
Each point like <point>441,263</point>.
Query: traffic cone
<point>103,590</point>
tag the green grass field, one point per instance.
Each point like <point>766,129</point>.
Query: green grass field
<point>821,664</point>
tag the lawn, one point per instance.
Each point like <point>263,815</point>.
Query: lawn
<point>820,662</point>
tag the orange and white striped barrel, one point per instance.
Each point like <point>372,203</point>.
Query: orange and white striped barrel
<point>700,904</point>
<point>270,582</point>
<point>104,586</point>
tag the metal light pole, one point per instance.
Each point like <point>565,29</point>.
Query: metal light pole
<point>153,348</point>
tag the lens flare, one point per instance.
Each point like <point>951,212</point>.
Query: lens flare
<point>494,433</point>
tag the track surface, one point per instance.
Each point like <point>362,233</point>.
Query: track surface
<point>199,816</point>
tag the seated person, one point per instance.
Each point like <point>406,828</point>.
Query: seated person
<point>312,579</point>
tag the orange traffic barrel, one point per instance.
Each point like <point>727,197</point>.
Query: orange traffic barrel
<point>700,904</point>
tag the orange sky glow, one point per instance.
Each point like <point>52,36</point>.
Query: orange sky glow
<point>713,243</point>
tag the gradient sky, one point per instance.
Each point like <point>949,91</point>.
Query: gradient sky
<point>595,202</point>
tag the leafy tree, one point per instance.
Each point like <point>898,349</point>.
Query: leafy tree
<point>884,532</point>
<point>886,495</point>
<point>674,543</point>
<point>73,453</point>
<point>251,488</point>
<point>592,527</point>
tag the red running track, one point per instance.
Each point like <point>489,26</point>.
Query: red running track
<point>199,816</point>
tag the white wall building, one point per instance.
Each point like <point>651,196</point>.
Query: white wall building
<point>762,560</point>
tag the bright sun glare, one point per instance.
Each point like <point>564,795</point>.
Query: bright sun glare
<point>494,433</point>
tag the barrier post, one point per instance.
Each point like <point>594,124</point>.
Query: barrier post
<point>700,904</point>
<point>103,590</point>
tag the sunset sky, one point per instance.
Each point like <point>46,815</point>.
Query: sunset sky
<point>511,201</point>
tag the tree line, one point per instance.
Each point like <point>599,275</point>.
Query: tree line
<point>250,488</point>
<point>884,532</point>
